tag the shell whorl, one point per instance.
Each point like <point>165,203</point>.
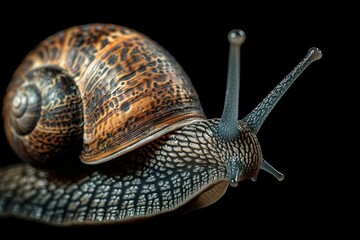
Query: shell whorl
<point>132,90</point>
<point>25,109</point>
<point>43,116</point>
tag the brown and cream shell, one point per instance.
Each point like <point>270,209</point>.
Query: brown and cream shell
<point>109,86</point>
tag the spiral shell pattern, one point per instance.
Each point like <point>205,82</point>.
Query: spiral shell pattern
<point>43,116</point>
<point>25,110</point>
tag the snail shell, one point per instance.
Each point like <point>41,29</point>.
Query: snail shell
<point>108,86</point>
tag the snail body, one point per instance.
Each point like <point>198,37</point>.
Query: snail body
<point>123,98</point>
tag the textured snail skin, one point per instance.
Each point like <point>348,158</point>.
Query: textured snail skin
<point>188,167</point>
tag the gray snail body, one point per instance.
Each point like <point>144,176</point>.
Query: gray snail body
<point>148,148</point>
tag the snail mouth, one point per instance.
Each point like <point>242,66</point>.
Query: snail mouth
<point>25,109</point>
<point>235,168</point>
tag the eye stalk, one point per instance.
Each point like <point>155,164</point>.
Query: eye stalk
<point>256,117</point>
<point>228,128</point>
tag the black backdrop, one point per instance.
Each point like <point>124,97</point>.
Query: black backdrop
<point>306,136</point>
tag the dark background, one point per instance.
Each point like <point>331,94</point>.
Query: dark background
<point>307,136</point>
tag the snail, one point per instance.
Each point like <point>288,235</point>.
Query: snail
<point>146,146</point>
